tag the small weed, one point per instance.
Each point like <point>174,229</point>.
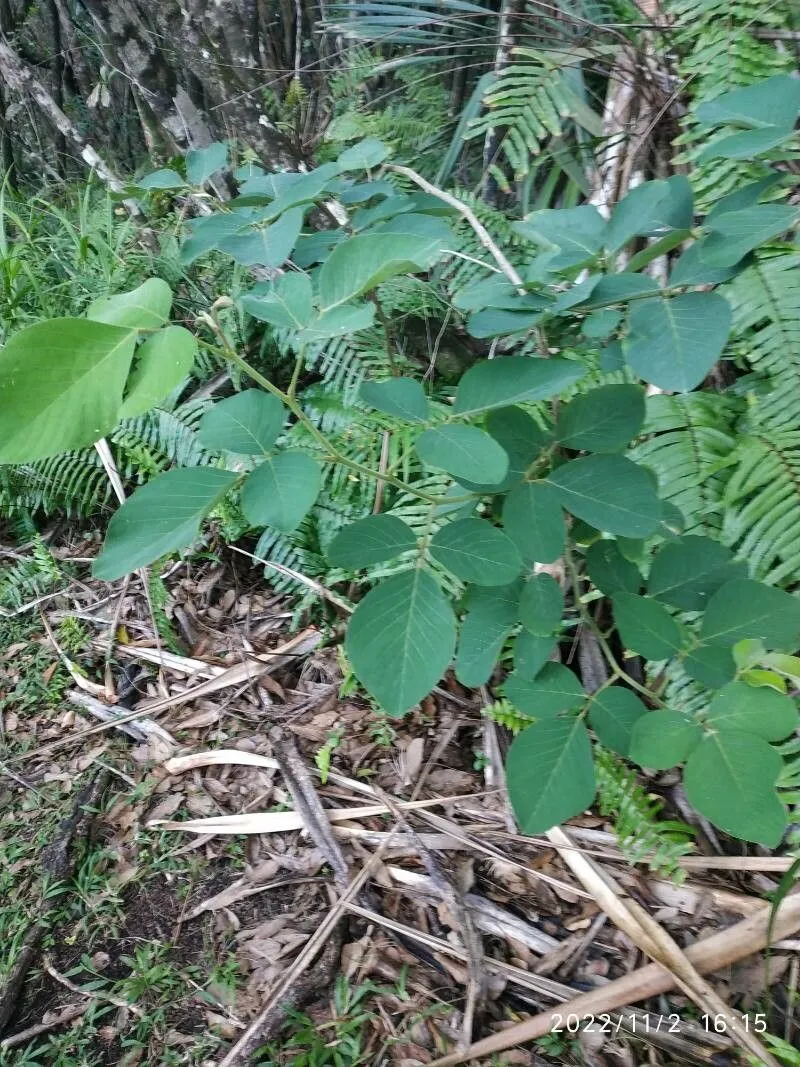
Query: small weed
<point>72,635</point>
<point>382,732</point>
<point>559,1045</point>
<point>347,1038</point>
<point>322,757</point>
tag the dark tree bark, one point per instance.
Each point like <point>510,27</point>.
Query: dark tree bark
<point>174,75</point>
<point>196,70</point>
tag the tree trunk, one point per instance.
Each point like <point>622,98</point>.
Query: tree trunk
<point>196,70</point>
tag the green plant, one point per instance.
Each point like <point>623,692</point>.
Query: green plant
<point>322,757</point>
<point>494,474</point>
<point>641,833</point>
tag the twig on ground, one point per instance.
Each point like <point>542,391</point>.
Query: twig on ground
<point>307,803</point>
<point>299,645</point>
<point>68,1015</point>
<point>56,865</point>
<point>488,916</point>
<point>10,992</point>
<point>91,994</point>
<point>143,729</point>
<point>325,935</point>
<point>310,583</point>
<point>711,954</point>
<point>651,938</point>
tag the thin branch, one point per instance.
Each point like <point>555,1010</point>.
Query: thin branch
<point>469,215</point>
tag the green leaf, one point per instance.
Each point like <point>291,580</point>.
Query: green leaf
<point>617,288</point>
<point>577,232</point>
<point>287,305</point>
<point>645,626</point>
<point>613,714</point>
<point>602,420</point>
<point>662,739</point>
<point>208,230</point>
<point>248,423</point>
<point>281,491</point>
<point>746,144</point>
<point>688,570</point>
<point>345,319</point>
<point>611,493</point>
<point>372,540</point>
<point>313,248</point>
<point>541,605</point>
<point>402,397</point>
<point>522,440</point>
<point>610,571</point>
<point>497,292</point>
<point>363,262</point>
<point>554,689</point>
<point>730,778</point>
<point>788,665</point>
<point>531,653</point>
<point>498,322</point>
<point>161,179</point>
<point>550,774</point>
<point>673,343</point>
<point>769,679</point>
<point>749,652</point>
<point>385,209</point>
<point>476,551</point>
<point>145,308</point>
<point>580,293</point>
<point>691,269</point>
<point>743,196</point>
<point>760,711</point>
<point>365,155</point>
<point>601,324</point>
<point>634,214</point>
<point>464,452</point>
<point>61,384</point>
<point>534,521</point>
<point>161,363</point>
<point>496,383</point>
<point>162,516</point>
<point>612,358</point>
<point>772,101</point>
<point>264,246</point>
<point>201,163</point>
<point>736,233</point>
<point>491,615</point>
<point>652,209</point>
<point>401,639</point>
<point>287,190</point>
<point>710,665</point>
<point>666,244</point>
<point>747,609</point>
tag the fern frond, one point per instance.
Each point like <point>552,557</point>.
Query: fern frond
<point>765,300</point>
<point>691,439</point>
<point>641,834</point>
<point>532,102</point>
<point>719,52</point>
<point>761,504</point>
<point>505,714</point>
<point>73,483</point>
<point>30,577</point>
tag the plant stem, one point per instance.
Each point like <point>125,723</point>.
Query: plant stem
<point>291,403</point>
<point>298,366</point>
<point>587,621</point>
